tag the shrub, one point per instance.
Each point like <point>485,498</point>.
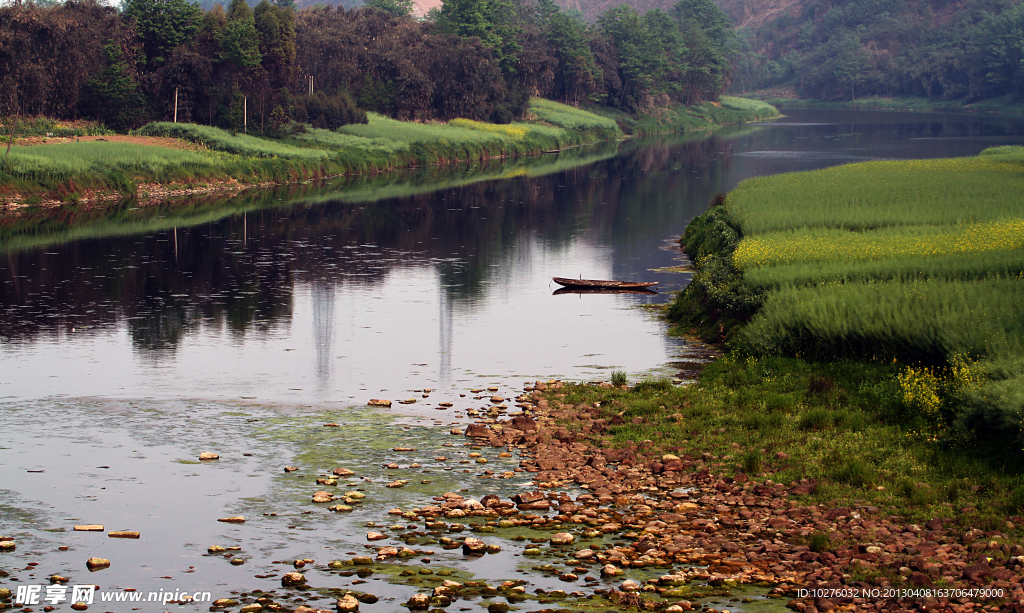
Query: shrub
<point>751,460</point>
<point>618,378</point>
<point>818,542</point>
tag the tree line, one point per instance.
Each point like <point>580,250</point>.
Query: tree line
<point>257,68</point>
<point>844,49</point>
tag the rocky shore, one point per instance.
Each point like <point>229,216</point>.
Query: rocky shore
<point>705,522</point>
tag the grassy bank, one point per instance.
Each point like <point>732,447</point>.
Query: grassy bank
<point>72,170</point>
<point>679,119</point>
<point>896,287</point>
<point>1005,105</point>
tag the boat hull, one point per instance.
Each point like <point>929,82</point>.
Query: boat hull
<point>598,284</point>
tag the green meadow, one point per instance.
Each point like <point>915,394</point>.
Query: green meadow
<point>912,268</point>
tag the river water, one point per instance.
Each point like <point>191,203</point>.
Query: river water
<point>133,339</point>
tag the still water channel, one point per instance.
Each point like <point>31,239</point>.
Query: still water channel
<point>132,340</point>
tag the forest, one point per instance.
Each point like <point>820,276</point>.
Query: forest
<point>848,49</point>
<point>260,69</point>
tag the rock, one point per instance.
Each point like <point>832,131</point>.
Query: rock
<point>290,469</point>
<point>7,546</point>
<point>251,608</point>
<point>375,536</point>
<point>347,604</point>
<point>124,534</point>
<point>477,430</point>
<point>237,562</point>
<point>532,551</point>
<point>55,579</point>
<point>323,496</point>
<point>805,489</point>
<point>630,586</point>
<point>935,524</point>
<point>977,573</point>
<point>362,561</point>
<point>610,570</point>
<point>222,603</point>
<point>497,399</point>
<point>455,431</point>
<point>498,607</point>
<point>79,606</point>
<point>343,472</point>
<point>89,528</point>
<point>473,545</point>
<point>95,564</point>
<point>568,577</point>
<point>524,422</point>
<point>208,455</point>
<point>379,402</point>
<point>419,601</point>
<point>292,579</point>
<point>215,549</point>
<point>238,519</point>
<point>562,538</point>
<point>339,508</point>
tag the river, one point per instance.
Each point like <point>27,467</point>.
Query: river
<point>133,339</point>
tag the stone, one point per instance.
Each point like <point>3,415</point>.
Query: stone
<point>79,606</point>
<point>292,579</point>
<point>251,608</point>
<point>7,545</point>
<point>124,534</point>
<point>347,604</point>
<point>89,528</point>
<point>222,603</point>
<point>630,586</point>
<point>375,536</point>
<point>323,496</point>
<point>524,422</point>
<point>95,564</point>
<point>379,402</point>
<point>362,561</point>
<point>208,455</point>
<point>343,472</point>
<point>473,545</point>
<point>290,469</point>
<point>238,519</point>
<point>610,570</point>
<point>562,538</point>
<point>215,549</point>
<point>419,601</point>
<point>477,431</point>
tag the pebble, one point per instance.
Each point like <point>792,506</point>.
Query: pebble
<point>95,564</point>
<point>238,519</point>
<point>89,528</point>
<point>347,604</point>
<point>124,534</point>
<point>292,579</point>
<point>208,455</point>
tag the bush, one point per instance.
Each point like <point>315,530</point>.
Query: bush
<point>326,112</point>
<point>618,378</point>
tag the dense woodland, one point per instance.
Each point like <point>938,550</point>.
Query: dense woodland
<point>847,49</point>
<point>258,68</point>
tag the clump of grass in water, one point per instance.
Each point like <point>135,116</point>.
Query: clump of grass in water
<point>660,385</point>
<point>619,378</point>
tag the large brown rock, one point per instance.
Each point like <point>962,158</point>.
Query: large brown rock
<point>477,430</point>
<point>524,422</point>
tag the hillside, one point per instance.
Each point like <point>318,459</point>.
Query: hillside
<point>965,50</point>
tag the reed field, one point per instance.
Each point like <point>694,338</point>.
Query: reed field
<point>918,265</point>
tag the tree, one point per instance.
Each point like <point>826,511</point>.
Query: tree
<point>162,25</point>
<point>240,44</point>
<point>401,8</point>
<point>577,72</point>
<point>117,90</point>
<point>491,21</point>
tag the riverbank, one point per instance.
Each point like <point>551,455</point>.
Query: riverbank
<point>869,316</point>
<point>997,106</point>
<point>199,159</point>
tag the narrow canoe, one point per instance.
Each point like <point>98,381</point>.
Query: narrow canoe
<point>601,284</point>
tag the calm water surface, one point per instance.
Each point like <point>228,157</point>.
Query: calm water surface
<point>131,341</point>
<point>318,297</point>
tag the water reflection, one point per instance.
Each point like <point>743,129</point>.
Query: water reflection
<point>436,276</point>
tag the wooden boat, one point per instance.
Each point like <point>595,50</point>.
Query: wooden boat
<point>603,290</point>
<point>593,283</point>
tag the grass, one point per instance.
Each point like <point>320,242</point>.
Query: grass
<point>835,423</point>
<point>679,119</point>
<point>380,144</point>
<point>918,265</point>
<point>1002,105</point>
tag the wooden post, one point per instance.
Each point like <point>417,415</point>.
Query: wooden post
<point>11,139</point>
<point>245,114</point>
<point>175,105</point>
